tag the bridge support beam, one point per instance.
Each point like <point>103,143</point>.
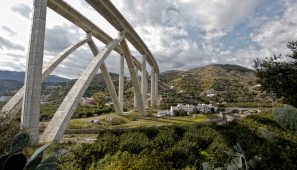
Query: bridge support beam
<point>143,80</point>
<point>153,83</point>
<point>156,88</point>
<point>14,105</point>
<point>32,87</point>
<point>107,79</point>
<point>121,82</point>
<point>56,127</point>
<point>131,67</point>
<point>135,98</point>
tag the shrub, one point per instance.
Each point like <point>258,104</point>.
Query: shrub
<point>117,121</point>
<point>8,131</point>
<point>165,139</point>
<point>134,142</point>
<point>17,160</point>
<point>180,112</point>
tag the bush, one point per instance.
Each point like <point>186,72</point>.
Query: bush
<point>181,146</point>
<point>180,112</point>
<point>165,139</point>
<point>133,142</point>
<point>118,121</point>
<point>7,132</point>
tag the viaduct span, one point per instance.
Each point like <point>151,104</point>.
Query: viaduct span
<point>27,99</point>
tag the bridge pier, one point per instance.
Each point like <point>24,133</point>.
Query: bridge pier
<point>56,127</point>
<point>33,75</point>
<point>121,82</point>
<point>143,80</point>
<point>153,93</point>
<point>14,105</point>
<point>107,79</point>
<point>135,98</point>
<point>156,88</point>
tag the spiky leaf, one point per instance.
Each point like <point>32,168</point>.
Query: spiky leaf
<point>39,151</point>
<point>2,160</point>
<point>49,160</point>
<point>18,142</point>
<point>206,166</point>
<point>270,136</point>
<point>15,161</point>
<point>286,117</point>
<point>32,164</point>
<point>49,166</point>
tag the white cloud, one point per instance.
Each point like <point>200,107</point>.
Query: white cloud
<point>180,34</point>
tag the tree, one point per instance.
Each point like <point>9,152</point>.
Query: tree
<point>99,98</point>
<point>279,77</point>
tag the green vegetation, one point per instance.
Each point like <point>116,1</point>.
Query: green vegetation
<point>226,83</point>
<point>184,146</point>
<point>8,131</point>
<point>238,160</point>
<point>180,113</point>
<point>99,98</point>
<point>279,77</point>
<point>82,111</point>
<point>286,117</point>
<point>118,121</point>
<point>16,160</point>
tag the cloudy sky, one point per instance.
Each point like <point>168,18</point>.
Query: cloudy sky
<point>181,34</point>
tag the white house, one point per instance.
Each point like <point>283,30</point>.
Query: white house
<point>204,108</point>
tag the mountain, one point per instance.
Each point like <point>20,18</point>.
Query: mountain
<point>10,85</point>
<point>20,76</point>
<point>209,75</point>
<point>216,82</point>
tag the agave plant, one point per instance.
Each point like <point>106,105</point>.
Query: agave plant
<point>286,117</point>
<point>238,160</point>
<point>17,161</point>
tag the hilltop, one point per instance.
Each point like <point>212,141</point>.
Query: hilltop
<point>209,75</point>
<point>216,82</point>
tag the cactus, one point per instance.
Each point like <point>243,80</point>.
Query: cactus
<point>18,142</point>
<point>18,161</point>
<point>15,161</point>
<point>270,136</point>
<point>238,160</point>
<point>286,117</point>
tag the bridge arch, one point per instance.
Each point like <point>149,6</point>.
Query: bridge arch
<point>28,97</point>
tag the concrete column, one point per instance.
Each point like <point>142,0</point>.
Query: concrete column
<point>121,82</point>
<point>156,88</point>
<point>56,127</point>
<point>143,79</point>
<point>33,75</point>
<point>153,93</point>
<point>14,105</point>
<point>107,79</point>
<point>133,75</point>
<point>135,98</point>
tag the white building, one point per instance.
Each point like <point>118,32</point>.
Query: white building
<point>204,108</point>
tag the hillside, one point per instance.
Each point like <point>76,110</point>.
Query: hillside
<point>210,74</point>
<point>216,82</point>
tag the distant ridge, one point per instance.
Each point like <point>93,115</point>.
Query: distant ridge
<point>210,74</point>
<point>19,76</point>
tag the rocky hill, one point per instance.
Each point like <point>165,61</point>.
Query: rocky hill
<point>216,82</point>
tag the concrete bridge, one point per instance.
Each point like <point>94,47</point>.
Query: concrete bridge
<point>27,99</point>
